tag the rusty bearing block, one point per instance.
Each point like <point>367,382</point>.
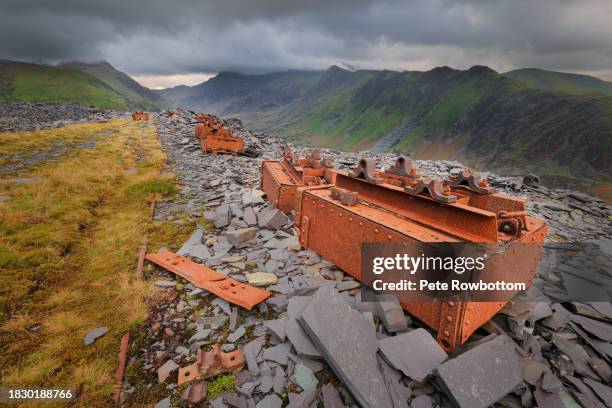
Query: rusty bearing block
<point>210,364</point>
<point>472,180</point>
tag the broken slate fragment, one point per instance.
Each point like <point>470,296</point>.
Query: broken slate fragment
<point>278,353</point>
<point>165,284</point>
<point>270,401</point>
<point>272,219</point>
<point>331,398</point>
<point>239,236</point>
<point>94,335</point>
<point>483,375</point>
<point>302,400</point>
<point>164,371</point>
<point>348,343</point>
<point>277,327</point>
<point>251,351</point>
<point>261,278</point>
<point>304,377</point>
<point>391,313</point>
<point>415,353</point>
<point>232,338</point>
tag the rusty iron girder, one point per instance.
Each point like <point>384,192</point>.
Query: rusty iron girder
<point>211,363</point>
<point>386,212</point>
<point>210,280</point>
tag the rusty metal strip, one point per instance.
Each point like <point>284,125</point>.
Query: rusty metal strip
<point>211,363</point>
<point>120,373</point>
<point>140,265</point>
<point>205,278</point>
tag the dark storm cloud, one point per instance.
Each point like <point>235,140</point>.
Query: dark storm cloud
<point>174,37</point>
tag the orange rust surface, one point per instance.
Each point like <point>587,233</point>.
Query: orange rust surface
<point>140,115</point>
<point>215,138</point>
<point>385,213</point>
<point>280,179</point>
<point>210,280</point>
<point>211,363</point>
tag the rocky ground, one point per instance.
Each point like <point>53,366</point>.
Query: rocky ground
<point>550,353</point>
<point>21,116</point>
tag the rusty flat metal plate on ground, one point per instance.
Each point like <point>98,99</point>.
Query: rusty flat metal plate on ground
<point>210,280</point>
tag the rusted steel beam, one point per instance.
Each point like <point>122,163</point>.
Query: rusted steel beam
<point>120,373</point>
<point>385,212</point>
<point>210,280</point>
<point>210,364</point>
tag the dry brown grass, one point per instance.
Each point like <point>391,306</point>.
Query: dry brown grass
<point>68,250</point>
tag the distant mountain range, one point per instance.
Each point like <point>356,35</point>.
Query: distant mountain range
<point>558,125</point>
<point>98,84</point>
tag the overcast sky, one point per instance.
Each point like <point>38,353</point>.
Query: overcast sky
<point>168,42</point>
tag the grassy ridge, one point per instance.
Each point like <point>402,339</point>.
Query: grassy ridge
<point>574,84</point>
<point>68,246</point>
<point>100,86</point>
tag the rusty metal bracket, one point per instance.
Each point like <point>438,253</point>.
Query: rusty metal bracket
<point>346,197</point>
<point>210,280</point>
<point>474,181</point>
<point>366,169</point>
<point>403,167</point>
<point>436,189</point>
<point>210,364</point>
<point>120,373</point>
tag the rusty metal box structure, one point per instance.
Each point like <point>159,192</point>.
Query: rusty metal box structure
<point>140,115</point>
<point>280,179</point>
<point>218,139</point>
<point>400,207</point>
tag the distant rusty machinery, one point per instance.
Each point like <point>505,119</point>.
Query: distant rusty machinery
<point>140,115</point>
<point>216,138</point>
<point>398,206</point>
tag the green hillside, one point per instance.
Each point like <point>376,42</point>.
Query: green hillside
<point>575,84</point>
<point>41,83</point>
<point>476,116</point>
<point>136,95</point>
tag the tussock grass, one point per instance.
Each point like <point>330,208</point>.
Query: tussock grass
<point>68,249</point>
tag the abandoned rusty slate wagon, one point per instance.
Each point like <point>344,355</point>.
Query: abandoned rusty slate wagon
<point>367,205</point>
<point>280,179</point>
<point>216,138</point>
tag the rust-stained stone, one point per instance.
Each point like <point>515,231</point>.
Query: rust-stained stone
<point>483,375</point>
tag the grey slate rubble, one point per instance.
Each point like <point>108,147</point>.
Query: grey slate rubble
<point>219,193</point>
<point>349,345</point>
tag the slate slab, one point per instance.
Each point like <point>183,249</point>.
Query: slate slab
<point>301,342</point>
<point>272,219</point>
<point>270,401</point>
<point>304,377</point>
<point>348,344</point>
<point>331,398</point>
<point>415,353</point>
<point>483,375</point>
